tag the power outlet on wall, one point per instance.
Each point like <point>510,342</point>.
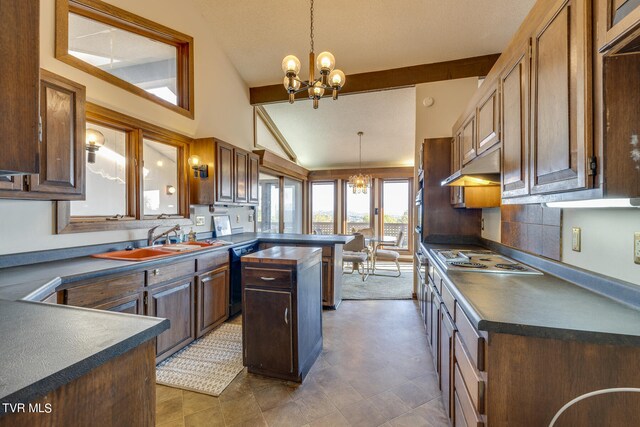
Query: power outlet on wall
<point>636,247</point>
<point>576,237</point>
<point>199,220</point>
<point>237,219</point>
<point>250,217</point>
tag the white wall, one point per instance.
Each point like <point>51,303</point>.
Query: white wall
<point>221,109</point>
<point>607,241</point>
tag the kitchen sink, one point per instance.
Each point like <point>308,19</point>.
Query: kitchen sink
<point>141,254</point>
<point>154,252</point>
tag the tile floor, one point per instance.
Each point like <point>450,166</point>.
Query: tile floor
<point>375,370</point>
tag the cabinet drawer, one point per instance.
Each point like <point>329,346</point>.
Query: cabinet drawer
<point>474,384</point>
<point>437,281</point>
<point>459,418</point>
<point>164,273</point>
<point>471,339</point>
<point>212,261</point>
<point>103,289</point>
<point>471,417</point>
<point>448,300</point>
<point>267,277</point>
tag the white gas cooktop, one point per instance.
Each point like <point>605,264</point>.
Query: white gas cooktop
<point>481,261</point>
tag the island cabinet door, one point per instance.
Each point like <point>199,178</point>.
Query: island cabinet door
<point>173,301</point>
<point>268,330</point>
<point>212,300</point>
<point>560,101</point>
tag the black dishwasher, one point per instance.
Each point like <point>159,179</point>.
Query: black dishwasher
<point>235,281</point>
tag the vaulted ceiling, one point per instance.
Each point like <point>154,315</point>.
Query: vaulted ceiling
<point>364,35</point>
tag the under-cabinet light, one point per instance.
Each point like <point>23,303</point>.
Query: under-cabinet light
<point>596,203</point>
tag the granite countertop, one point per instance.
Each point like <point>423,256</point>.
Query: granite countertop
<point>45,346</point>
<point>543,306</point>
<point>36,281</point>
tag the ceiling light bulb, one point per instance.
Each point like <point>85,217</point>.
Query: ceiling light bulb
<point>326,61</point>
<point>318,90</point>
<point>291,65</point>
<point>94,138</point>
<point>295,87</point>
<point>337,79</point>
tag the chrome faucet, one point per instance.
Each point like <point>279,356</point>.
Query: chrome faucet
<point>151,239</point>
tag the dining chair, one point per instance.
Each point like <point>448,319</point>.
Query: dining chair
<point>357,253</point>
<point>389,254</point>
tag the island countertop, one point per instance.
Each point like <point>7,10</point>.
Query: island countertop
<point>544,306</point>
<point>45,346</point>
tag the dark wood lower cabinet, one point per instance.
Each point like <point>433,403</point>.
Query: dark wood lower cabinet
<point>269,340</point>
<point>173,301</point>
<point>132,304</point>
<point>212,300</point>
<point>282,311</point>
<point>446,365</point>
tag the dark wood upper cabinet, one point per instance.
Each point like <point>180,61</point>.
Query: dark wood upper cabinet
<point>488,122</point>
<point>62,152</point>
<point>468,142</point>
<point>514,87</point>
<point>254,178</point>
<point>240,176</point>
<point>19,85</point>
<point>560,101</point>
<point>233,174</point>
<point>224,171</point>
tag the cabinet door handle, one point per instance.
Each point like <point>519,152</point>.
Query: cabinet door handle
<point>286,315</point>
<point>268,279</point>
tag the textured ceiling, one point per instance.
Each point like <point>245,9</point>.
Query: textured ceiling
<point>364,35</point>
<point>327,137</point>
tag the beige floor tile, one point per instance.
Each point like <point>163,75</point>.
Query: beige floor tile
<point>165,393</point>
<point>335,419</point>
<point>256,421</point>
<point>272,396</point>
<point>315,406</point>
<point>195,402</point>
<point>342,395</point>
<point>390,405</point>
<point>414,395</point>
<point>169,410</point>
<point>206,418</point>
<point>174,423</point>
<point>239,410</point>
<point>363,414</point>
<point>287,415</point>
<point>308,387</point>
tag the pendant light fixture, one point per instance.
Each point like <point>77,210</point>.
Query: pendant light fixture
<point>329,78</point>
<point>360,183</point>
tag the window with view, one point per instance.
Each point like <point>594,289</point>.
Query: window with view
<point>268,214</point>
<point>160,176</point>
<point>323,213</point>
<point>292,206</point>
<point>127,50</point>
<point>358,209</point>
<point>395,210</point>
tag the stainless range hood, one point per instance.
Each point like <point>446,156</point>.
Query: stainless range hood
<point>483,171</point>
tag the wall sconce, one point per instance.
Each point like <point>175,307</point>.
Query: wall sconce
<point>95,140</point>
<point>198,167</point>
<point>171,190</point>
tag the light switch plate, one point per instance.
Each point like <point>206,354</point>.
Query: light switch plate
<point>576,237</point>
<point>199,220</point>
<point>636,248</point>
<point>250,217</point>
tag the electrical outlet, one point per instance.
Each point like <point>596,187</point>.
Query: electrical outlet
<point>576,239</point>
<point>237,218</point>
<point>250,217</point>
<point>199,220</point>
<point>636,246</point>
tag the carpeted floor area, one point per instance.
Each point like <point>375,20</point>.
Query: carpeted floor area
<point>378,286</point>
